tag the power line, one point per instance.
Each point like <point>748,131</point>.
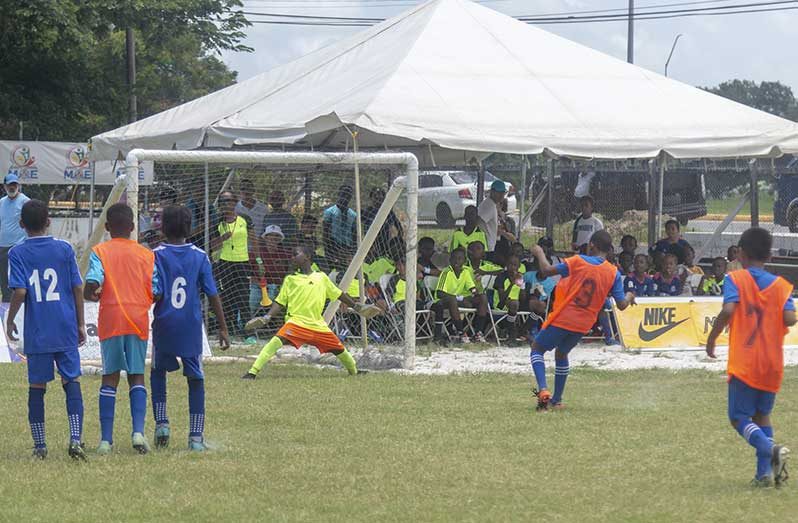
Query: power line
<point>747,8</point>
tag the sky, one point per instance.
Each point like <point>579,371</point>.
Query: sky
<point>754,46</point>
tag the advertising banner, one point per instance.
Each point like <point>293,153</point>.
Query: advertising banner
<point>675,323</point>
<point>58,163</point>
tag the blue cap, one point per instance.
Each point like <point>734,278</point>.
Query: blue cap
<point>498,186</point>
<point>11,178</point>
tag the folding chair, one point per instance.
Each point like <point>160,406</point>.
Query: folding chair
<point>397,319</point>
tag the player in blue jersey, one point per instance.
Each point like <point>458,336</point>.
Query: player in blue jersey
<point>184,270</point>
<point>43,274</point>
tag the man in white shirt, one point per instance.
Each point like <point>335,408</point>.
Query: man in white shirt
<point>489,213</point>
<point>250,208</point>
<point>585,225</point>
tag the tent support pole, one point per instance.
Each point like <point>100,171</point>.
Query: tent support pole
<point>661,188</point>
<point>652,191</point>
<point>91,196</point>
<point>753,167</point>
<point>550,199</point>
<point>522,196</point>
<point>480,183</point>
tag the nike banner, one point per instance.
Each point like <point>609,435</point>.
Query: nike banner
<point>675,323</point>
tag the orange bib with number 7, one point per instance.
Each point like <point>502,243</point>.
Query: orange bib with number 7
<point>579,298</point>
<point>756,332</point>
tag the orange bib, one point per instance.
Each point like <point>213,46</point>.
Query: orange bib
<point>579,298</point>
<point>756,332</point>
<point>127,290</point>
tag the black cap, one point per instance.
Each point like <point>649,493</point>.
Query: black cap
<point>546,241</point>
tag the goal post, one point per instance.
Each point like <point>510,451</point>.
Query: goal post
<point>406,162</point>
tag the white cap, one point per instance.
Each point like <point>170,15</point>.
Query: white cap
<point>273,229</point>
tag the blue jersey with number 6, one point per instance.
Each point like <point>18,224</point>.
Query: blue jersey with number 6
<point>184,271</point>
<point>46,268</point>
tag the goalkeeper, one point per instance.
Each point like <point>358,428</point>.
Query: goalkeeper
<point>303,295</point>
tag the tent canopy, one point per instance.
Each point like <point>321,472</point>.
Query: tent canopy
<point>456,75</point>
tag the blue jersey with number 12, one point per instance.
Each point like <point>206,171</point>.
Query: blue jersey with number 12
<point>47,270</point>
<point>184,271</point>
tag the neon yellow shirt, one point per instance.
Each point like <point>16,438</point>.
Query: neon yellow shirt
<point>303,296</point>
<point>399,292</point>
<point>513,295</point>
<point>354,288</point>
<point>455,285</point>
<point>235,248</point>
<point>461,239</point>
<point>378,268</point>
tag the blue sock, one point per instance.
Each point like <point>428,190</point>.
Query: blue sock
<point>757,438</point>
<point>36,416</point>
<point>107,406</point>
<point>561,371</point>
<point>196,407</point>
<point>768,430</point>
<point>138,407</point>
<point>158,391</point>
<point>74,408</point>
<point>539,368</point>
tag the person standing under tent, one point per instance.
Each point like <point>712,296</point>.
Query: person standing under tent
<point>281,218</point>
<point>339,230</point>
<point>489,215</point>
<point>585,225</point>
<point>470,232</point>
<point>11,233</point>
<point>250,208</point>
<point>383,241</point>
<point>234,267</point>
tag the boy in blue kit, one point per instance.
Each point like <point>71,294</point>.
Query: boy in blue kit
<point>43,274</point>
<point>123,278</point>
<point>184,270</point>
<point>639,282</point>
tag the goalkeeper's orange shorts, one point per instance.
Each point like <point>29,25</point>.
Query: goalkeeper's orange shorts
<point>298,336</point>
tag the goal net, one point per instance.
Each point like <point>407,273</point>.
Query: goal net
<point>250,210</point>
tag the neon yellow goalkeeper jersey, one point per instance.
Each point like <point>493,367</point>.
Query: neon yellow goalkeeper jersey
<point>303,296</point>
<point>455,285</point>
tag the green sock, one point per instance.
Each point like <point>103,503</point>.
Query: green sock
<point>348,362</point>
<point>267,352</point>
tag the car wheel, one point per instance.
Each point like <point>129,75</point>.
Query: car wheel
<point>443,215</point>
<point>792,218</point>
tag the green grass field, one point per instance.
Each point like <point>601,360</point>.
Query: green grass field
<point>313,445</point>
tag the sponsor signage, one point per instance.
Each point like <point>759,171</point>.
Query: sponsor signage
<point>58,163</point>
<point>674,323</point>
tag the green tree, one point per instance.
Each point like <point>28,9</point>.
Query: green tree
<point>63,61</point>
<point>772,97</point>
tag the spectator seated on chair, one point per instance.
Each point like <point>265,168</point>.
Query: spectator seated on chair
<point>690,273</point>
<point>626,262</point>
<point>507,295</point>
<point>629,244</point>
<point>457,288</point>
<point>673,243</point>
<point>712,284</point>
<point>731,256</point>
<point>477,263</point>
<point>639,281</point>
<point>426,250</point>
<point>517,250</point>
<point>667,282</point>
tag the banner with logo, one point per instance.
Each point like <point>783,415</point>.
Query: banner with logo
<point>91,349</point>
<point>59,163</point>
<point>675,323</point>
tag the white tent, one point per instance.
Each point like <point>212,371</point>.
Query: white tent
<point>457,75</point>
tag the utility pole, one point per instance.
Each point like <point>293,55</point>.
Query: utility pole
<point>130,56</point>
<point>630,39</point>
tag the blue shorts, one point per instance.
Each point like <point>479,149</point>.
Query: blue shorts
<point>192,365</point>
<point>556,338</point>
<point>40,366</point>
<point>745,401</point>
<point>125,353</point>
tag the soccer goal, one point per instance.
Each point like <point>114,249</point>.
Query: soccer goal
<point>358,211</point>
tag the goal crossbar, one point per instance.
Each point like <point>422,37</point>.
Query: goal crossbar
<point>406,160</point>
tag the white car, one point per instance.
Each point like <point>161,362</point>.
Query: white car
<point>444,195</point>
